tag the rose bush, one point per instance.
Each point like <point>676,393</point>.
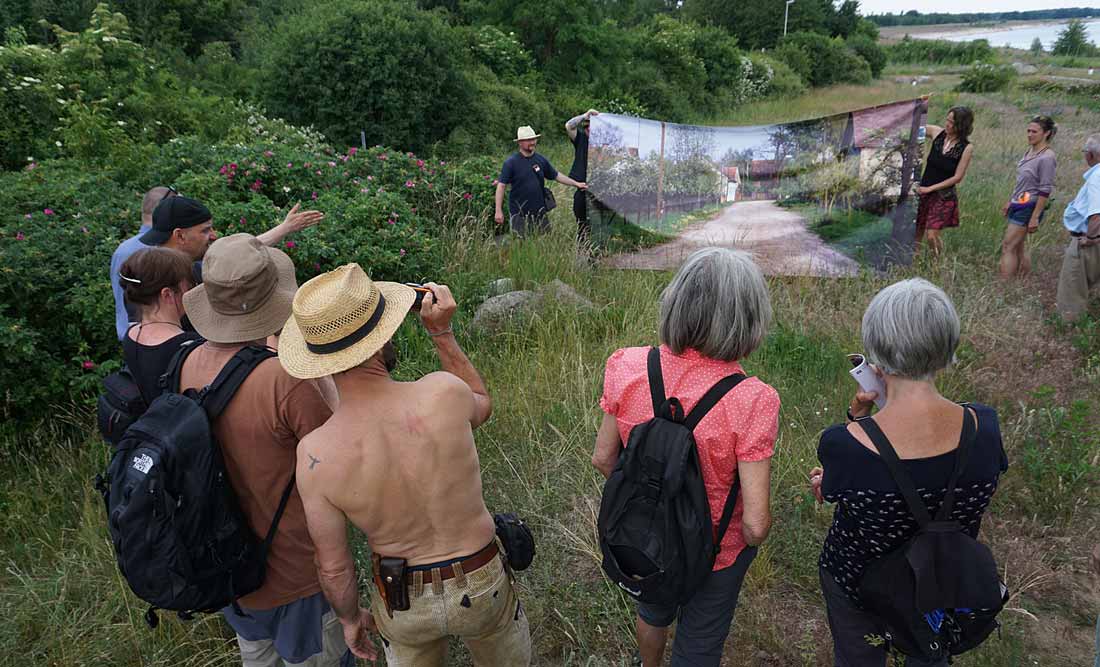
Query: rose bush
<point>61,222</point>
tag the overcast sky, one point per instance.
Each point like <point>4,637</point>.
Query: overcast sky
<point>954,6</point>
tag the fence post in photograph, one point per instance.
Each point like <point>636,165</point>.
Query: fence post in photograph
<point>903,233</point>
<point>661,177</point>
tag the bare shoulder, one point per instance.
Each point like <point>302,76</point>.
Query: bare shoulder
<point>444,383</point>
<point>316,459</point>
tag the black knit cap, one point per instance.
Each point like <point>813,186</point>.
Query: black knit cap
<point>175,213</point>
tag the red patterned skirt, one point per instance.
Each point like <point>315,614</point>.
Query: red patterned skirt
<point>938,210</point>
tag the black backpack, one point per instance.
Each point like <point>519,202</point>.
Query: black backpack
<point>119,406</point>
<point>938,594</point>
<point>656,534</point>
<point>180,537</point>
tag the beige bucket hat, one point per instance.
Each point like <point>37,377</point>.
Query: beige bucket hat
<point>340,319</point>
<point>526,132</point>
<point>246,293</point>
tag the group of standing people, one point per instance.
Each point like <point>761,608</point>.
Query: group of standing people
<point>525,173</point>
<point>949,159</point>
<point>713,314</point>
<point>398,459</point>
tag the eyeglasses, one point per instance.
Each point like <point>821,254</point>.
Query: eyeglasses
<point>172,192</point>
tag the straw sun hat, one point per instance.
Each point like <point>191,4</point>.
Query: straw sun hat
<point>340,319</point>
<point>246,293</point>
<point>526,132</point>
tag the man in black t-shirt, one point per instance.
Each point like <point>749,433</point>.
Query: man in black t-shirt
<point>577,129</point>
<point>526,172</point>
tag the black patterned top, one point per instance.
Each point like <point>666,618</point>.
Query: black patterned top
<point>942,166</point>
<point>871,518</point>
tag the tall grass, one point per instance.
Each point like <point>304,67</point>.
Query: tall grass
<point>64,604</point>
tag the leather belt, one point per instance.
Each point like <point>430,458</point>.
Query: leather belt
<point>469,564</point>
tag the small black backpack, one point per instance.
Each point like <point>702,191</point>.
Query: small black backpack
<point>656,534</point>
<point>119,406</point>
<point>180,537</point>
<point>938,594</point>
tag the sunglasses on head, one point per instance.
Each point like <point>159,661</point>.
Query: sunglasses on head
<point>172,192</point>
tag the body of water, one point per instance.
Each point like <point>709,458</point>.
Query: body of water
<point>1018,38</point>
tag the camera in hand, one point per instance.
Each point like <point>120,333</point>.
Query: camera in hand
<point>421,291</point>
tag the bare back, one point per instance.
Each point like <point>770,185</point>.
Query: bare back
<point>399,460</point>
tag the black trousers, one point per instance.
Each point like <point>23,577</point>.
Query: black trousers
<point>851,625</point>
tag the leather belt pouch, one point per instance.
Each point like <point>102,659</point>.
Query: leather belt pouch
<point>391,573</point>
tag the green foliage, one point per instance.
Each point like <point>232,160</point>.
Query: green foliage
<point>1037,47</point>
<point>95,96</point>
<point>500,52</point>
<point>760,25</point>
<point>1073,40</point>
<point>384,67</point>
<point>62,222</point>
<point>939,51</point>
<point>869,50</point>
<point>987,78</point>
<point>829,60</point>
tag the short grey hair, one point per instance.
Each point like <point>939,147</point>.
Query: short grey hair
<point>153,197</point>
<point>911,330</point>
<point>717,304</point>
<point>1092,145</point>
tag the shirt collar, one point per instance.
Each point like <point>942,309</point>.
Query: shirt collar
<point>1091,171</point>
<point>695,356</point>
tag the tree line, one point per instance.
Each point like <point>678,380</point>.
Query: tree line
<point>455,76</point>
<point>914,17</point>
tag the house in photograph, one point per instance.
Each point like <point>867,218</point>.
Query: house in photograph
<point>731,182</point>
<point>762,181</point>
<point>878,137</point>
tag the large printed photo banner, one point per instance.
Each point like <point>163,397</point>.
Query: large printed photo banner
<point>816,197</point>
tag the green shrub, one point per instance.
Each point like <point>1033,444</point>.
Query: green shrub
<point>869,50</point>
<point>61,222</point>
<point>830,60</point>
<point>384,67</point>
<point>986,78</point>
<point>939,51</point>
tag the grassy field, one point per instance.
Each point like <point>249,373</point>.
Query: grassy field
<point>63,602</point>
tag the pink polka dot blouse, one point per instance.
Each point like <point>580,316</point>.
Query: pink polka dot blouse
<point>742,427</point>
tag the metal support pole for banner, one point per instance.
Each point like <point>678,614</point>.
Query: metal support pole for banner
<point>786,11</point>
<point>661,178</point>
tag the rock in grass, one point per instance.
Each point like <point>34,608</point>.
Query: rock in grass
<point>501,286</point>
<point>497,310</point>
<point>564,294</point>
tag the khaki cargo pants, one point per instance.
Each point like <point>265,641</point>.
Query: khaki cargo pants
<point>480,608</point>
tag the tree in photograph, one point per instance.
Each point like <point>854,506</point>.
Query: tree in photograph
<point>1037,46</point>
<point>1073,40</point>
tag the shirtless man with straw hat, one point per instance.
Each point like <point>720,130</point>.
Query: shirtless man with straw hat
<point>398,460</point>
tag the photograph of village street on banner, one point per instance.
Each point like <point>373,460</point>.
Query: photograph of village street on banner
<point>818,197</point>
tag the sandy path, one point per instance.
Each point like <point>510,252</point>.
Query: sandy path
<point>777,238</point>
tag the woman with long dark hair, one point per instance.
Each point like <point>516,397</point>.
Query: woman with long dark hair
<point>946,167</point>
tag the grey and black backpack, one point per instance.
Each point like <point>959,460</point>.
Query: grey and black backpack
<point>180,537</point>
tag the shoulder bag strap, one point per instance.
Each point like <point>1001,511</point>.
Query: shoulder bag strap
<point>662,406</point>
<point>705,404</point>
<point>170,379</point>
<point>711,398</point>
<point>962,455</point>
<point>893,464</point>
<point>218,393</point>
<point>270,537</point>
